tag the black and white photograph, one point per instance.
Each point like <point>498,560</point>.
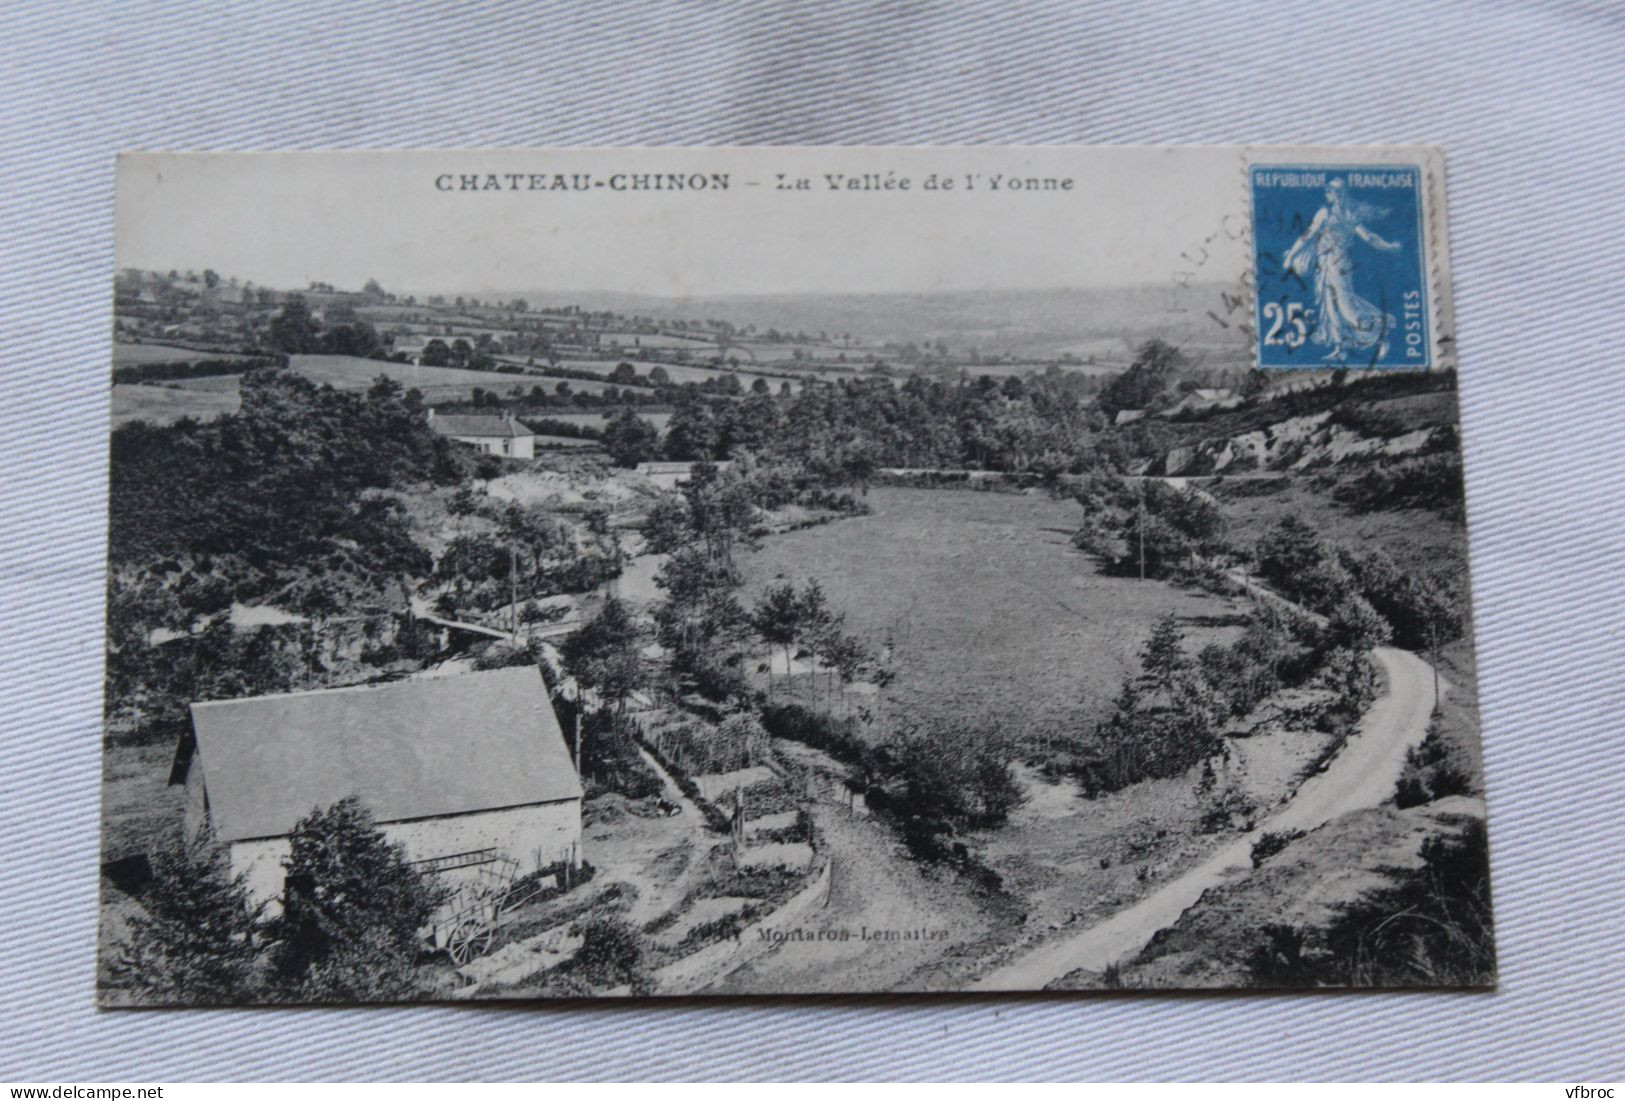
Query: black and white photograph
<point>598,573</point>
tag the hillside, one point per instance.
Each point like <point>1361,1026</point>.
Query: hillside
<point>1105,323</point>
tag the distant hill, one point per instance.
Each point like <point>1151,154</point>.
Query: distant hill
<point>1104,322</point>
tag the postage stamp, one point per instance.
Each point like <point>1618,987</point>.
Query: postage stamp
<point>1338,254</point>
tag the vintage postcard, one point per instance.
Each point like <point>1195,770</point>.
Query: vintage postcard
<point>601,572</point>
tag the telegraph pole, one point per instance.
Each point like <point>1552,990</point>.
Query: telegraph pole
<point>1142,529</point>
<point>1433,645</point>
<point>513,590</point>
<point>578,728</point>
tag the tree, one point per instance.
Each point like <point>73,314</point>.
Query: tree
<point>293,330</point>
<point>352,911</point>
<point>691,435</point>
<point>665,525</point>
<point>1287,552</point>
<point>1155,364</point>
<point>531,533</point>
<point>436,353</point>
<point>193,941</point>
<point>659,376</point>
<point>700,611</point>
<point>1355,624</point>
<point>777,620</point>
<point>1163,657</point>
<point>818,626</point>
<point>630,439</point>
<point>847,655</point>
<point>602,654</point>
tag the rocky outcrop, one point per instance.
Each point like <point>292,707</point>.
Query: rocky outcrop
<point>1297,443</point>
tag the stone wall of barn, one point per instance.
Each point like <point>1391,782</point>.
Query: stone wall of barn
<point>535,836</point>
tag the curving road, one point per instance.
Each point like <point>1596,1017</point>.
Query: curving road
<point>1363,774</point>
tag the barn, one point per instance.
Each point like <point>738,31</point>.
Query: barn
<point>502,435</point>
<point>465,771</point>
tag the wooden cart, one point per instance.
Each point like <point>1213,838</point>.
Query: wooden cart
<point>466,925</point>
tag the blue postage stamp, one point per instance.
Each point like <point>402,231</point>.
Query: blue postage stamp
<point>1338,261</point>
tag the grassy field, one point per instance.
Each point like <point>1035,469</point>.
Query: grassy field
<point>992,615</point>
<point>167,404</point>
<point>218,384</point>
<point>678,372</point>
<point>126,355</point>
<point>209,397</point>
<point>1414,536</point>
<point>655,340</point>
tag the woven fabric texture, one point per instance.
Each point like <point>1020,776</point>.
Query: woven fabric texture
<point>1526,99</point>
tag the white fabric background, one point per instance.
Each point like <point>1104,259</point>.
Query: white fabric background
<point>1526,98</point>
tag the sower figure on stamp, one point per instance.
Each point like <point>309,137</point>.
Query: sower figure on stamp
<point>1343,320</point>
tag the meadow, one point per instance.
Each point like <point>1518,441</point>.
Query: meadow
<point>677,372</point>
<point>631,341</point>
<point>168,404</point>
<point>126,354</point>
<point>992,616</point>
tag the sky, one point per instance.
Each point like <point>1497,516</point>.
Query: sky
<point>1132,216</point>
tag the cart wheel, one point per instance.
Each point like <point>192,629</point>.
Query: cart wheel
<point>471,938</point>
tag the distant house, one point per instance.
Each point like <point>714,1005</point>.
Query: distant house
<point>1129,416</point>
<point>671,475</point>
<point>462,770</point>
<point>497,435</point>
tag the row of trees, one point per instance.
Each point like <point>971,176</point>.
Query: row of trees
<point>1170,714</point>
<point>843,428</point>
<point>1146,527</point>
<point>1422,610</point>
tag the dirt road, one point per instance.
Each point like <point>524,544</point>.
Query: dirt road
<point>1362,775</point>
<point>887,924</point>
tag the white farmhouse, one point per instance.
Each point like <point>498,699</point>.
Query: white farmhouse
<point>463,770</point>
<point>502,435</point>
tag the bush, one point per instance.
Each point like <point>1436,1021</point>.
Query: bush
<point>193,941</point>
<point>816,729</point>
<point>610,760</point>
<point>1428,481</point>
<point>352,910</point>
<point>611,954</point>
<point>1430,773</point>
<point>1433,928</point>
<point>1272,842</point>
<point>1280,959</point>
<point>501,655</point>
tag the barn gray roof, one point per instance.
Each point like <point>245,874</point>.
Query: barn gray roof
<point>412,749</point>
<point>467,424</point>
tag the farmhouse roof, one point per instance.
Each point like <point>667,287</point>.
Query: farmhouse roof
<point>412,749</point>
<point>463,424</point>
